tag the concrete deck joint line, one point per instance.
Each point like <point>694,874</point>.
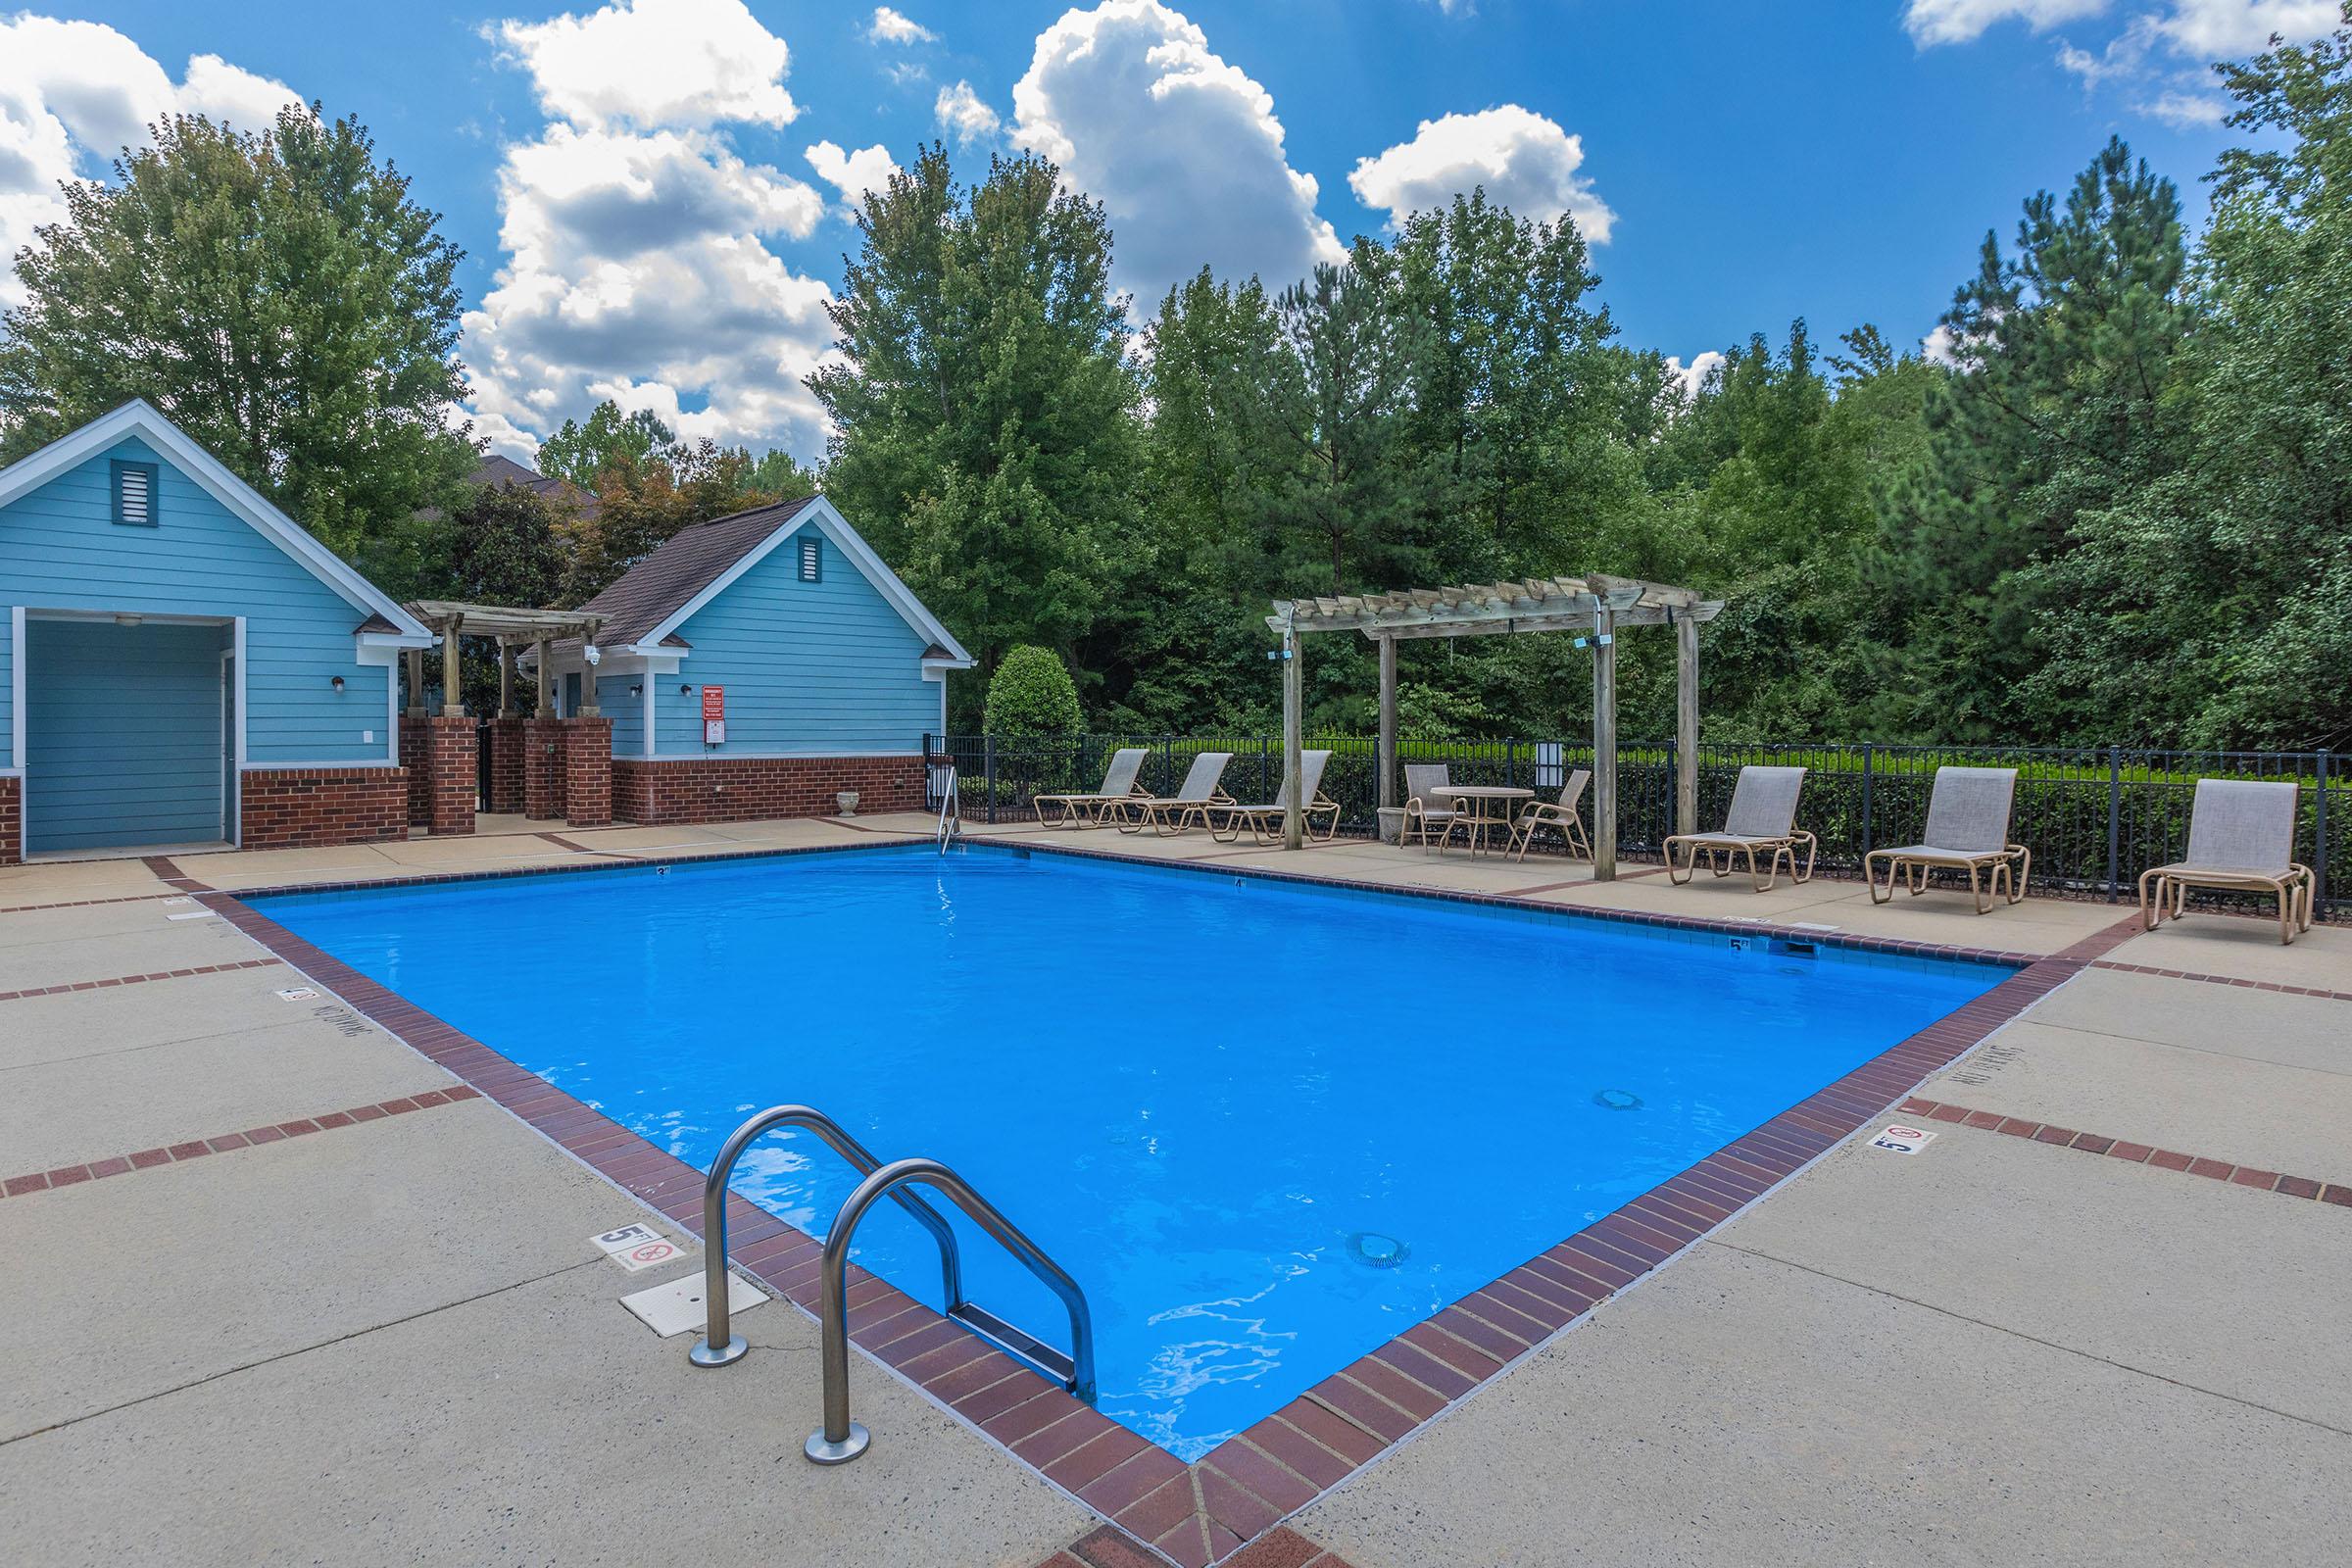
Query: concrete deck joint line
<point>2238,981</point>
<point>2267,1181</point>
<point>138,979</point>
<point>252,1138</point>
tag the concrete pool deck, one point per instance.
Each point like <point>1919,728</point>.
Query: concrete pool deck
<point>385,1337</point>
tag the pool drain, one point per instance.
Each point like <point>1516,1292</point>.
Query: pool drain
<point>1375,1250</point>
<point>1617,1099</point>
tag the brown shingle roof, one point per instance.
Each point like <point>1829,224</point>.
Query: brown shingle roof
<point>497,471</point>
<point>682,567</point>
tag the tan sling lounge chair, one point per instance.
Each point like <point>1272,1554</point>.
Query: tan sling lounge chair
<point>1264,822</point>
<point>1762,820</point>
<point>2241,838</point>
<point>1192,802</point>
<point>1086,810</point>
<point>1564,814</point>
<point>1428,808</point>
<point>1968,830</point>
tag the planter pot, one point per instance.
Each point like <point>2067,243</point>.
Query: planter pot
<point>847,800</point>
<point>1392,824</point>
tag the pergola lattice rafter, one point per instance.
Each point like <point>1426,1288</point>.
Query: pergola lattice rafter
<point>1596,604</point>
<point>512,625</point>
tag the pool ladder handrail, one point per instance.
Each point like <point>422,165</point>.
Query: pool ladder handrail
<point>840,1438</point>
<point>951,809</point>
<point>721,1346</point>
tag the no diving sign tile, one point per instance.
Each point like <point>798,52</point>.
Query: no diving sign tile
<point>1902,1140</point>
<point>638,1247</point>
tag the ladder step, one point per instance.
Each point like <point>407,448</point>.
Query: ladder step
<point>1017,1342</point>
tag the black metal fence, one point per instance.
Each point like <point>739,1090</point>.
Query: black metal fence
<point>2094,817</point>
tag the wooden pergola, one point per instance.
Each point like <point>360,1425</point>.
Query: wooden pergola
<point>513,627</point>
<point>1595,606</point>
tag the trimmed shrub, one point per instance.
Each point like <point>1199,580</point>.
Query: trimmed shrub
<point>1032,694</point>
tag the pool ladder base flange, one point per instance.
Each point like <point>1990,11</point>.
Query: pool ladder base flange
<point>819,1452</point>
<point>725,1355</point>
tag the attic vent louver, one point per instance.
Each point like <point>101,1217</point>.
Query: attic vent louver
<point>811,558</point>
<point>134,494</point>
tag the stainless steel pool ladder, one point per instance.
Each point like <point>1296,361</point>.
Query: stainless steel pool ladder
<point>839,1440</point>
<point>951,809</point>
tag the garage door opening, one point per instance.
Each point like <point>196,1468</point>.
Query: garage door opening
<point>129,735</point>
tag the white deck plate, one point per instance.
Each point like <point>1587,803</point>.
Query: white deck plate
<point>1902,1139</point>
<point>639,1247</point>
<point>298,994</point>
<point>197,915</point>
<point>677,1306</point>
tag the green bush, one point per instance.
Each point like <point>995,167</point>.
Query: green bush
<point>1032,694</point>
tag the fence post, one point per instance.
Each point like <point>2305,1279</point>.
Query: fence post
<point>1266,777</point>
<point>2115,821</point>
<point>988,750</point>
<point>1510,763</point>
<point>2318,851</point>
<point>1868,749</point>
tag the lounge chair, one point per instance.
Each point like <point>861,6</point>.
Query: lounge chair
<point>1968,830</point>
<point>1563,814</point>
<point>1762,819</point>
<point>1193,801</point>
<point>1086,811</point>
<point>1264,822</point>
<point>2241,838</point>
<point>1428,808</point>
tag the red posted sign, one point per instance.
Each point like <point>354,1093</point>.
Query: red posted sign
<point>714,715</point>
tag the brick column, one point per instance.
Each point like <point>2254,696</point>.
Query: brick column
<point>506,765</point>
<point>12,820</point>
<point>543,757</point>
<point>453,787</point>
<point>415,758</point>
<point>587,772</point>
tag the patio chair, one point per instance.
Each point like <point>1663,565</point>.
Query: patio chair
<point>1428,808</point>
<point>1170,814</point>
<point>1762,819</point>
<point>1968,830</point>
<point>2241,838</point>
<point>1086,811</point>
<point>1264,822</point>
<point>1565,813</point>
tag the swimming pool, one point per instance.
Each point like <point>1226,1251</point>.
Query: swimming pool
<point>1267,1126</point>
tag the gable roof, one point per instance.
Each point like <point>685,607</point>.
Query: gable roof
<point>694,565</point>
<point>140,418</point>
<point>506,473</point>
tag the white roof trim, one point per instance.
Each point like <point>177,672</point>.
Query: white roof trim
<point>859,553</point>
<point>140,418</point>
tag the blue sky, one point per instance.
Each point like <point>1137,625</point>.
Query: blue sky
<point>643,220</point>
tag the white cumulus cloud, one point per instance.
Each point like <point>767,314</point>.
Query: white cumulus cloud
<point>649,63</point>
<point>1525,163</point>
<point>632,230</point>
<point>1182,149</point>
<point>74,94</point>
<point>853,173</point>
<point>964,113</point>
<point>1934,21</point>
<point>892,26</point>
<point>2219,29</point>
<point>1694,375</point>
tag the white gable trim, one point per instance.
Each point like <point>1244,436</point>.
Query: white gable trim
<point>140,418</point>
<point>858,553</point>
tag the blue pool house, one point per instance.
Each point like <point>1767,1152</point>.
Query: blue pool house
<point>760,665</point>
<point>180,662</point>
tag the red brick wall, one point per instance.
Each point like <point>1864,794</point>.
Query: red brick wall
<point>283,808</point>
<point>543,768</point>
<point>742,789</point>
<point>587,772</point>
<point>12,820</point>
<point>415,760</point>
<point>505,765</point>
<point>451,791</point>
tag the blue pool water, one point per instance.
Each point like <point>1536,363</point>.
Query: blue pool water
<point>1266,1126</point>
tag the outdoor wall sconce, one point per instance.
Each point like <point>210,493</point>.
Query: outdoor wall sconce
<point>637,690</point>
<point>337,683</point>
<point>685,691</point>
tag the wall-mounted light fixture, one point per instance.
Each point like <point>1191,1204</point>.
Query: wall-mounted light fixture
<point>337,683</point>
<point>637,690</point>
<point>685,691</point>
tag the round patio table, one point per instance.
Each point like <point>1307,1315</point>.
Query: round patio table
<point>1485,805</point>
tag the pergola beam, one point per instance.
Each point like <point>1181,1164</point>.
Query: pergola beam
<point>1579,621</point>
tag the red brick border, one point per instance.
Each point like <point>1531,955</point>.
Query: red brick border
<point>137,979</point>
<point>2269,1180</point>
<point>2224,980</point>
<point>198,1147</point>
<point>1236,1495</point>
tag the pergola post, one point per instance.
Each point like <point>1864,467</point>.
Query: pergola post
<point>453,682</point>
<point>416,683</point>
<point>1604,744</point>
<point>1293,700</point>
<point>588,707</point>
<point>1686,722</point>
<point>506,678</point>
<point>547,679</point>
<point>1388,722</point>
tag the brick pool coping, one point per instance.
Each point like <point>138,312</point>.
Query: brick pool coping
<point>1236,1495</point>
